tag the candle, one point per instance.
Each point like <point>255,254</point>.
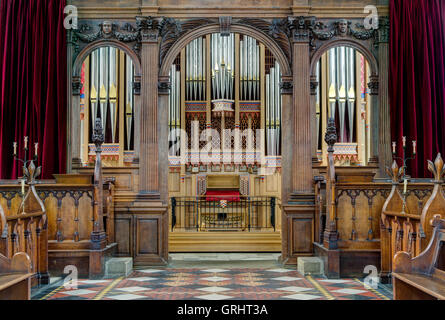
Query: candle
<point>405,185</point>
<point>15,148</point>
<point>404,141</point>
<point>414,146</point>
<point>393,147</point>
<point>23,186</point>
<point>26,142</point>
<point>36,147</point>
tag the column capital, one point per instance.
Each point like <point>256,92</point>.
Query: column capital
<point>148,27</point>
<point>301,28</point>
<point>373,85</point>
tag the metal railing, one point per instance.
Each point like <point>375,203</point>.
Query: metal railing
<point>223,213</point>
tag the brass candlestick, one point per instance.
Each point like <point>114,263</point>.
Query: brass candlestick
<point>404,160</point>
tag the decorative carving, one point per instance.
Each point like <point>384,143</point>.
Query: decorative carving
<point>383,31</point>
<point>77,86</point>
<point>301,28</point>
<point>331,134</point>
<point>164,87</point>
<point>395,172</point>
<point>224,24</point>
<point>136,87</point>
<point>286,87</point>
<point>314,86</point>
<point>437,169</point>
<point>98,137</point>
<point>373,85</point>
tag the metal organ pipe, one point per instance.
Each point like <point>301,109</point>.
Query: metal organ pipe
<point>94,85</point>
<point>351,90</point>
<point>341,72</point>
<point>113,92</point>
<point>129,99</point>
<point>103,94</point>
<point>333,82</point>
<point>273,110</point>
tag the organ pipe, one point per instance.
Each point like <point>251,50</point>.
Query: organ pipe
<point>175,107</point>
<point>351,91</point>
<point>273,110</point>
<point>113,91</point>
<point>129,100</point>
<point>195,70</point>
<point>103,95</point>
<point>249,68</point>
<point>222,62</point>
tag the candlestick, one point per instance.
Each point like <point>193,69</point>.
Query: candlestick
<point>15,148</point>
<point>26,142</point>
<point>394,147</point>
<point>414,147</point>
<point>36,147</point>
<point>404,141</point>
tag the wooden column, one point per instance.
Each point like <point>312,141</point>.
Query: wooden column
<point>287,130</point>
<point>302,137</point>
<point>149,179</point>
<point>384,151</point>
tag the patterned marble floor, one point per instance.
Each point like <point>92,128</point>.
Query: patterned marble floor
<point>172,283</point>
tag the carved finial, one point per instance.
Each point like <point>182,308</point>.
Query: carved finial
<point>31,173</point>
<point>437,168</point>
<point>98,135</point>
<point>331,135</point>
<point>395,172</point>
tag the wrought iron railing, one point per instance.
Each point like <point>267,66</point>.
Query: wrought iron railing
<point>223,213</point>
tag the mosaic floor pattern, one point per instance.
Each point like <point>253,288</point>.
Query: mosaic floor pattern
<point>215,284</point>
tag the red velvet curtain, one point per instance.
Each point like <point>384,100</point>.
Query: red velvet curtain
<point>33,79</point>
<point>417,79</point>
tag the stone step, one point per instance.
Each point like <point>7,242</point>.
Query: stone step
<point>310,266</point>
<point>118,267</point>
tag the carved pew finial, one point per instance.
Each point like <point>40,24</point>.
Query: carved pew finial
<point>437,168</point>
<point>331,134</point>
<point>435,206</point>
<point>395,172</point>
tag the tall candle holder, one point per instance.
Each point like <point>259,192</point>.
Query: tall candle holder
<point>25,161</point>
<point>404,160</point>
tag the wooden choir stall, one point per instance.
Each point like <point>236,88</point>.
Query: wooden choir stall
<point>61,222</point>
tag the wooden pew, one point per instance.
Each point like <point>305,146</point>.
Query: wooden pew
<point>25,230</point>
<point>422,277</point>
<point>406,227</point>
<point>15,273</point>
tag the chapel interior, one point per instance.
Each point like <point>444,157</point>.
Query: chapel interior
<point>135,134</point>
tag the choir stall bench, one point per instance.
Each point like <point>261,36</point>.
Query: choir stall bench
<point>423,277</point>
<point>15,277</point>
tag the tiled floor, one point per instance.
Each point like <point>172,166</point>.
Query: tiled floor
<point>215,283</point>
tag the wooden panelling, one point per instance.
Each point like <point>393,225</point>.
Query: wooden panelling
<point>302,233</point>
<point>142,233</point>
<point>123,231</point>
<point>298,232</point>
<point>147,231</point>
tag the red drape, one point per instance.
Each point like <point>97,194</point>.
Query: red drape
<point>33,79</point>
<point>417,79</point>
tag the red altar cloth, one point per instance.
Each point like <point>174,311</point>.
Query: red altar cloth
<point>217,195</point>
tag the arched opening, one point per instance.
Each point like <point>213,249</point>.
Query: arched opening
<point>224,168</point>
<point>106,72</point>
<point>342,71</point>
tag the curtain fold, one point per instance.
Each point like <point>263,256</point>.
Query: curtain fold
<point>33,73</point>
<point>417,79</point>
